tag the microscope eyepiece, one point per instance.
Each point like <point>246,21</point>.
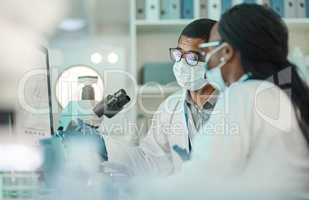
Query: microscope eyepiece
<point>112,104</point>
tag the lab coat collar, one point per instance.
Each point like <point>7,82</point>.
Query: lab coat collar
<point>212,100</point>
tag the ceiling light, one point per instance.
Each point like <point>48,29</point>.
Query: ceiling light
<point>96,58</point>
<point>72,24</point>
<point>113,58</point>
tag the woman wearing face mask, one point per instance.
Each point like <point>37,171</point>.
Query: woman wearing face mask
<point>259,128</point>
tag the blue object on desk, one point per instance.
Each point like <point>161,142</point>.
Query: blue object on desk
<point>158,72</point>
<point>278,6</point>
<point>187,9</point>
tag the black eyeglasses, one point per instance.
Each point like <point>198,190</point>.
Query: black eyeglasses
<point>191,57</point>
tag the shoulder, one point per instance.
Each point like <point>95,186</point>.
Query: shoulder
<point>265,102</point>
<point>172,102</point>
<point>257,89</point>
<point>251,86</point>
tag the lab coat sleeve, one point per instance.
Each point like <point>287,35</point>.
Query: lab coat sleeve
<point>152,156</point>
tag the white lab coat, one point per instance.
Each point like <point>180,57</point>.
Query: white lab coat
<point>253,134</point>
<point>155,155</point>
<point>250,148</point>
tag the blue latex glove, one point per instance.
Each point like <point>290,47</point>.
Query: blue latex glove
<point>81,133</point>
<point>183,153</point>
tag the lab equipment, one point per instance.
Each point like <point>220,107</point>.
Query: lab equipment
<point>170,9</point>
<point>153,155</point>
<point>82,108</point>
<point>161,73</point>
<point>87,90</point>
<point>187,9</point>
<point>34,118</point>
<point>112,104</point>
<point>152,9</point>
<point>19,185</point>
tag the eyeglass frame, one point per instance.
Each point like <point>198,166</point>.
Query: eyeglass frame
<point>200,56</point>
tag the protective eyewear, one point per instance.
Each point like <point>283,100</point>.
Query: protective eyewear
<point>210,44</point>
<point>191,57</point>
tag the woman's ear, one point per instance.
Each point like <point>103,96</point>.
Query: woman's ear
<point>227,52</point>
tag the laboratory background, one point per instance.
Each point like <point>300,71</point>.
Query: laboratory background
<point>61,59</point>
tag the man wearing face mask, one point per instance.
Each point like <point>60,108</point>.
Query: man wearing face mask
<point>189,70</point>
<point>169,141</point>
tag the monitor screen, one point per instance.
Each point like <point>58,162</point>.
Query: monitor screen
<point>34,116</point>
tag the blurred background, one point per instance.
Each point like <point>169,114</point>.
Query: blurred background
<point>134,37</point>
<point>105,45</point>
<point>121,44</point>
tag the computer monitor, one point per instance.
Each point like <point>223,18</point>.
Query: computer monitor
<point>35,113</point>
<point>50,99</point>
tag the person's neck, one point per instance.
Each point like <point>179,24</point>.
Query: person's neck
<point>201,96</point>
<point>234,71</point>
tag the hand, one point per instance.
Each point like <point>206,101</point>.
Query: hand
<point>79,133</point>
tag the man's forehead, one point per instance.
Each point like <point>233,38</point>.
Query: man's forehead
<point>188,42</point>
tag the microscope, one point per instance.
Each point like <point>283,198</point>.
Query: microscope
<point>78,136</point>
<point>90,111</point>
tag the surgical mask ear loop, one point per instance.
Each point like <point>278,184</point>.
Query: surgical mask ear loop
<point>209,55</point>
<point>222,63</point>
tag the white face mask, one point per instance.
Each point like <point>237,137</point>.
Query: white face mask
<point>190,77</point>
<point>214,75</point>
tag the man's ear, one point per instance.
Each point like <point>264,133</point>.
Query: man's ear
<point>228,52</point>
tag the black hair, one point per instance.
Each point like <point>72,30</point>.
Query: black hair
<point>261,38</point>
<point>199,28</point>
